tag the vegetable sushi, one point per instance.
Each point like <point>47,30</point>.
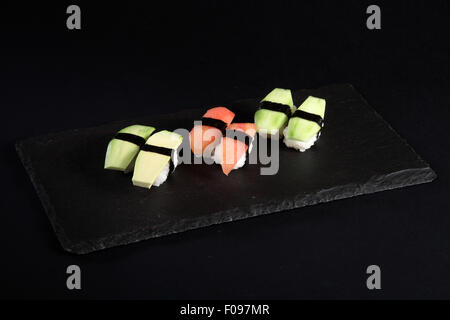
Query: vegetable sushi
<point>306,124</point>
<point>231,152</point>
<point>205,137</point>
<point>157,159</point>
<point>274,112</point>
<point>124,147</point>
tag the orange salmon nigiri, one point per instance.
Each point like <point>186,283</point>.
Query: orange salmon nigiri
<point>231,153</point>
<point>204,138</point>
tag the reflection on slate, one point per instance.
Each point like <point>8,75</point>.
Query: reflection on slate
<point>92,209</point>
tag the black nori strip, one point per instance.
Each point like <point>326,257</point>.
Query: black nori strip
<point>160,150</point>
<point>132,138</point>
<point>308,116</point>
<point>278,107</point>
<point>239,136</point>
<point>216,123</point>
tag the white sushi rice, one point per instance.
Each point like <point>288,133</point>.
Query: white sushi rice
<point>174,159</point>
<point>301,146</point>
<point>162,177</point>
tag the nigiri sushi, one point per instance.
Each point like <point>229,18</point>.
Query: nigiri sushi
<point>156,160</point>
<point>274,112</point>
<point>205,137</point>
<point>124,147</point>
<point>306,124</point>
<point>231,152</point>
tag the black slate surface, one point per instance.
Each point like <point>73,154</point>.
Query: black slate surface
<point>92,209</point>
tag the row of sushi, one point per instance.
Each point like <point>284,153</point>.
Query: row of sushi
<point>153,155</point>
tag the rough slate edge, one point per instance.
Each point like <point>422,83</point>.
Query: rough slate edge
<point>396,180</point>
<point>80,248</point>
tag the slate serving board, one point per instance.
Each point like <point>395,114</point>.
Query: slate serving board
<point>92,209</point>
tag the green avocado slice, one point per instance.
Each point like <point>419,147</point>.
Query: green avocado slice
<point>302,129</point>
<point>270,121</point>
<point>150,164</point>
<point>120,154</point>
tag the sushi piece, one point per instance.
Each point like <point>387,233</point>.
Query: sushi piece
<point>205,137</point>
<point>232,151</point>
<point>156,160</point>
<point>274,112</point>
<point>124,147</point>
<point>306,124</point>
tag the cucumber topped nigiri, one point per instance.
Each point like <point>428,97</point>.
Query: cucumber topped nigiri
<point>274,112</point>
<point>305,125</point>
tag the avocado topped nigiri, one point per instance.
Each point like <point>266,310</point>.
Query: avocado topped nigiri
<point>124,147</point>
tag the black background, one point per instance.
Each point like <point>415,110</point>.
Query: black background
<point>132,59</point>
